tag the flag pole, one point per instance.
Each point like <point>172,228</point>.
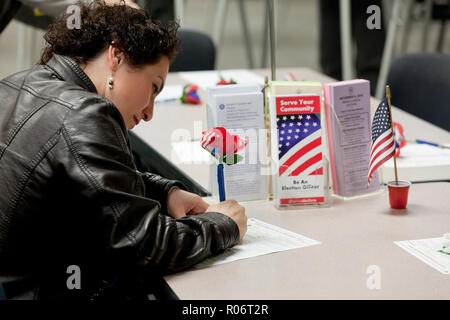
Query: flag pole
<point>388,96</point>
<point>273,67</point>
<point>267,123</point>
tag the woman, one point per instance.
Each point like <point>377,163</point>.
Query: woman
<point>76,218</point>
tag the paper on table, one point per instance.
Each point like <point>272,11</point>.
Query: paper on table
<point>261,238</point>
<point>427,250</point>
<point>205,79</point>
<point>170,93</point>
<point>419,162</point>
<point>421,155</point>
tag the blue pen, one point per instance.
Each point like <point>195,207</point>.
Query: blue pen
<point>166,100</point>
<point>220,181</point>
<point>431,144</point>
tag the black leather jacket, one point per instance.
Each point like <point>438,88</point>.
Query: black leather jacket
<point>70,193</point>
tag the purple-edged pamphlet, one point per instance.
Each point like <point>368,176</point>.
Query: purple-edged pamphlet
<point>347,107</point>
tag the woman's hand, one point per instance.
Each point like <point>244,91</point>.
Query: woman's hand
<point>235,211</point>
<point>181,203</point>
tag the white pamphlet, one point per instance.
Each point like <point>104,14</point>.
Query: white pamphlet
<point>261,238</point>
<point>240,110</point>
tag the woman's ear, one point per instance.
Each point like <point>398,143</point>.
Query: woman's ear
<point>115,58</point>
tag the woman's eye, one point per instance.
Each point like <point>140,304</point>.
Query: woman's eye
<point>155,89</point>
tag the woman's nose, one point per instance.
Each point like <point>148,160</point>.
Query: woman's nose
<point>148,112</point>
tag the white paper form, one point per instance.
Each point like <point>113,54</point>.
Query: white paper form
<point>428,251</point>
<point>170,93</point>
<point>261,238</point>
<point>421,155</point>
<point>419,162</point>
<point>206,79</point>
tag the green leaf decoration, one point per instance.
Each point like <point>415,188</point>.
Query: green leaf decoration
<point>232,159</point>
<point>227,159</point>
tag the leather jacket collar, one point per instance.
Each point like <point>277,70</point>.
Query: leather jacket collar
<point>68,70</point>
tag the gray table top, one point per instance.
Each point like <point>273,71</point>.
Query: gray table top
<point>354,235</point>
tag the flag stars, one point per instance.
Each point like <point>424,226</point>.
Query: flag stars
<point>292,131</point>
<point>284,118</point>
<point>292,117</point>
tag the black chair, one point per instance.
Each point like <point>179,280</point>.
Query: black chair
<point>8,9</point>
<point>197,52</point>
<point>441,12</point>
<point>420,85</point>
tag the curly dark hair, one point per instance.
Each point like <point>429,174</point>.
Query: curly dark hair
<point>131,30</point>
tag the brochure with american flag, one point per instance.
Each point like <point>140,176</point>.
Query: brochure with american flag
<point>301,176</point>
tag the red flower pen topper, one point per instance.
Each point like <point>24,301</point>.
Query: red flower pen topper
<point>225,82</point>
<point>224,147</point>
<point>190,94</point>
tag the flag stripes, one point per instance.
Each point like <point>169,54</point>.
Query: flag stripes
<point>383,146</point>
<point>301,153</point>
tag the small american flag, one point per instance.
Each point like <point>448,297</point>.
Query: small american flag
<point>383,147</point>
<point>299,144</point>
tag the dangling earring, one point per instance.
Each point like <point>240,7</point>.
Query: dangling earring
<point>111,81</point>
